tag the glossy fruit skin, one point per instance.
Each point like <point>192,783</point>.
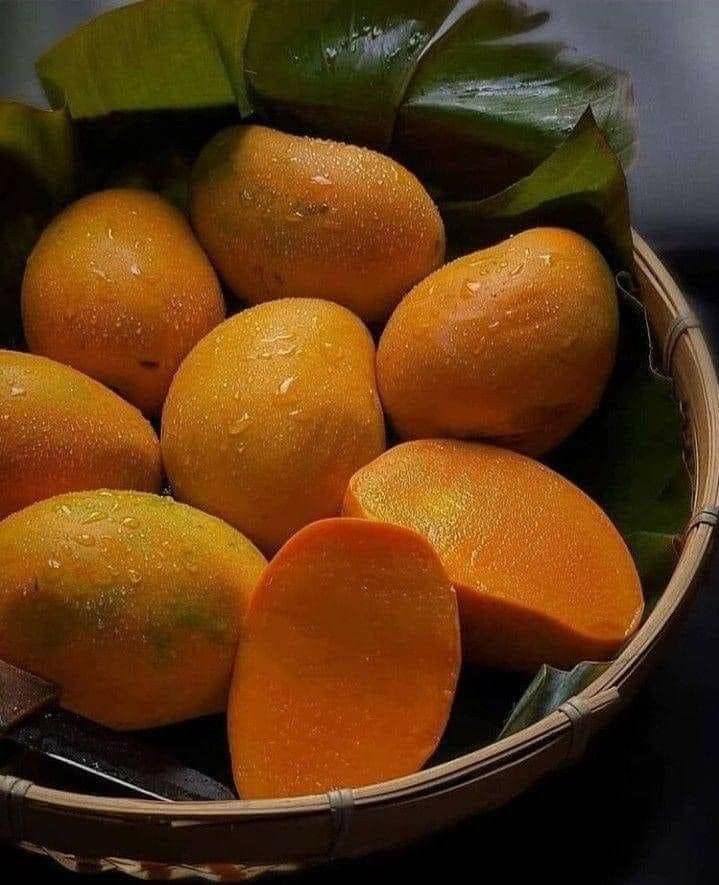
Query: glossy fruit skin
<point>61,431</point>
<point>130,602</point>
<point>118,287</point>
<point>541,573</point>
<point>288,216</point>
<point>348,664</point>
<point>271,414</point>
<point>514,344</point>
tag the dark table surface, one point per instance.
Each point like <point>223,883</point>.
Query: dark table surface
<point>643,806</point>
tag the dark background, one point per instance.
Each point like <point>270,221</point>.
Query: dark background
<point>643,806</point>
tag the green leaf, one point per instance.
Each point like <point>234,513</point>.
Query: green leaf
<point>37,173</point>
<point>229,21</point>
<point>37,144</point>
<point>497,105</point>
<point>549,689</point>
<point>339,68</point>
<point>580,186</point>
<point>153,55</point>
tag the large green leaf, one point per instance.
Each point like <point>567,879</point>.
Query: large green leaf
<point>580,186</point>
<point>497,105</point>
<point>149,56</point>
<point>37,173</point>
<point>339,68</point>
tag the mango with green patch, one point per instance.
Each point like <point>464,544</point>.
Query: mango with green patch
<point>132,603</point>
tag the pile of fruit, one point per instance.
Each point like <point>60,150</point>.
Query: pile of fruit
<point>394,553</point>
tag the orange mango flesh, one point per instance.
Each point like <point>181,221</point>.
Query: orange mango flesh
<point>118,287</point>
<point>513,344</point>
<point>288,216</point>
<point>347,668</point>
<point>61,431</point>
<point>541,573</point>
<point>132,603</point>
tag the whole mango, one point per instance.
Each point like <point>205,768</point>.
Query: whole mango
<point>288,216</point>
<point>118,287</point>
<point>514,344</point>
<point>271,414</point>
<point>61,431</point>
<point>130,602</point>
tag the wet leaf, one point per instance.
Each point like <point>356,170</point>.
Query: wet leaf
<point>580,186</point>
<point>549,689</point>
<point>156,55</point>
<point>488,103</point>
<point>37,173</point>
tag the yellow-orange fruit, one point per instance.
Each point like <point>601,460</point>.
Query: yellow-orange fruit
<point>130,602</point>
<point>60,431</point>
<point>118,287</point>
<point>271,414</point>
<point>514,344</point>
<point>288,216</point>
<point>348,664</point>
<point>542,575</point>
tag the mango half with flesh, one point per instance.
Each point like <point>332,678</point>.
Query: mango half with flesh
<point>288,216</point>
<point>542,575</point>
<point>130,602</point>
<point>514,344</point>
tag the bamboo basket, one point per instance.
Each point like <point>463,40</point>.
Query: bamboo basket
<point>244,839</point>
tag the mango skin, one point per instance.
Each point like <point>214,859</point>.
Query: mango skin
<point>541,573</point>
<point>271,414</point>
<point>118,287</point>
<point>288,216</point>
<point>61,431</point>
<point>130,602</point>
<point>514,344</point>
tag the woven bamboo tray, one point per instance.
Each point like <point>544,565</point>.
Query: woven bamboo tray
<point>242,839</point>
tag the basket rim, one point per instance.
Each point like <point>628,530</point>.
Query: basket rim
<point>512,749</point>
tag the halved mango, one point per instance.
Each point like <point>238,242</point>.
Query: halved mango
<point>348,664</point>
<point>542,574</point>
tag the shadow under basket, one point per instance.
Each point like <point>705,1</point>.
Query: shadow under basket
<point>243,839</point>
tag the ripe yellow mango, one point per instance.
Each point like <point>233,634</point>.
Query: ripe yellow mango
<point>61,431</point>
<point>514,344</point>
<point>542,576</point>
<point>288,216</point>
<point>118,287</point>
<point>271,414</point>
<point>130,602</point>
